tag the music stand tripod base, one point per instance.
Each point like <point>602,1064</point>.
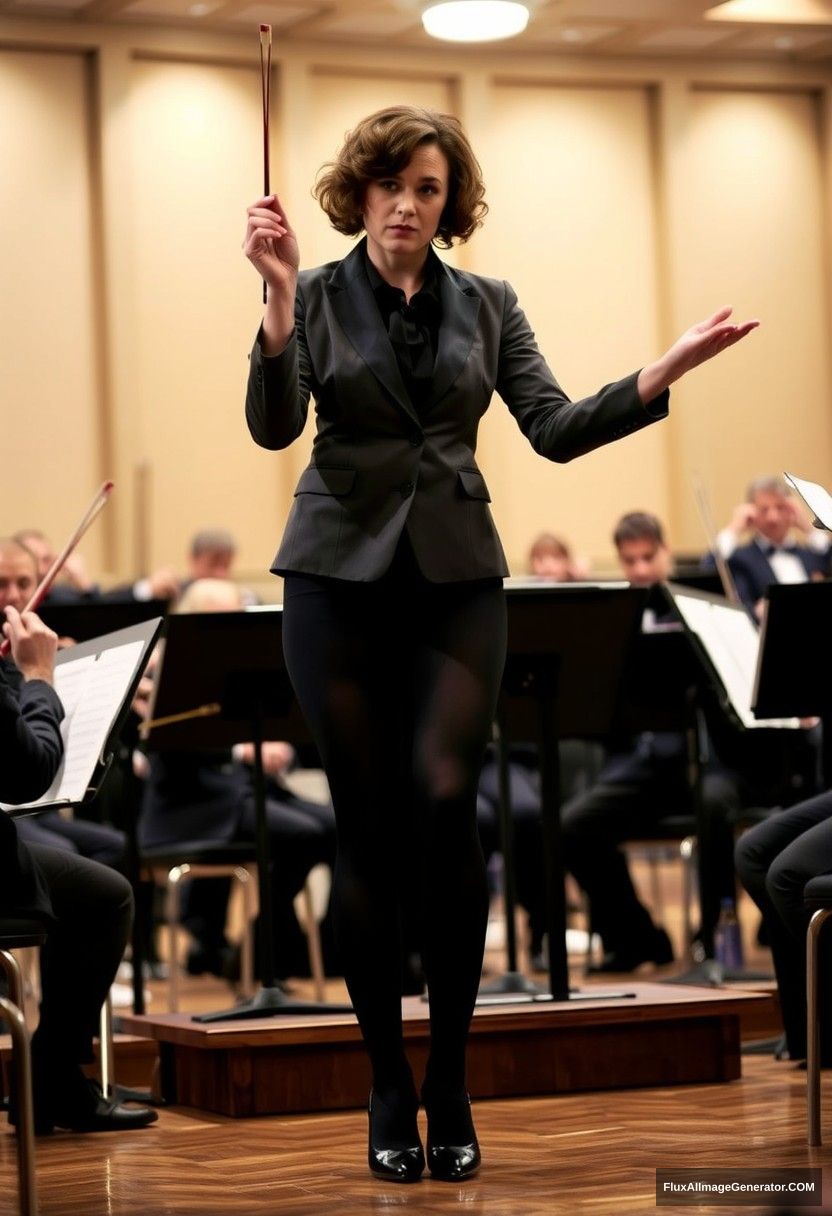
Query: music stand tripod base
<point>265,1003</point>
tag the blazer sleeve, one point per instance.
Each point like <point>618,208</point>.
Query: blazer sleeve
<point>30,740</point>
<point>556,427</point>
<point>279,387</point>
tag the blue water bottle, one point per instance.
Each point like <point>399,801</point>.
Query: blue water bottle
<point>727,938</point>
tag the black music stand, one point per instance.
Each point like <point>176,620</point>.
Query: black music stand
<point>512,981</point>
<point>794,669</point>
<point>223,681</point>
<point>91,618</point>
<point>99,731</point>
<point>697,578</point>
<point>567,648</point>
<point>87,619</point>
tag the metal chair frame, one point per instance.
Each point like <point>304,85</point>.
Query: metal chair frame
<point>12,1011</point>
<point>170,878</point>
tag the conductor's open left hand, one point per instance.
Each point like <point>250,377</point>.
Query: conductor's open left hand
<point>696,345</point>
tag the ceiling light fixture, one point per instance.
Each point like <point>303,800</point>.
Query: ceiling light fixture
<point>475,20</point>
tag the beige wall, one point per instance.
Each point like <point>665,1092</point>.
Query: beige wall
<point>628,199</point>
<point>573,227</point>
<point>753,215</point>
<point>51,429</point>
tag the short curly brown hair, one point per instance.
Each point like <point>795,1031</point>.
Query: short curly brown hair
<point>383,144</point>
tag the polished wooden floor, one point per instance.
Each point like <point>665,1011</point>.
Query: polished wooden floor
<point>593,1154</point>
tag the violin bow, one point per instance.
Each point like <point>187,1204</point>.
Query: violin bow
<point>729,587</point>
<point>98,503</point>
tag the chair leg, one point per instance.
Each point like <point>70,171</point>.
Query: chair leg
<point>817,922</point>
<point>313,942</point>
<point>28,1199</point>
<point>14,976</point>
<point>174,877</point>
<point>106,1050</point>
<point>245,878</point>
<point>687,851</point>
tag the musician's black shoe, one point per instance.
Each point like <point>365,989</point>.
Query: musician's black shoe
<point>774,1047</point>
<point>453,1150</point>
<point>82,1107</point>
<point>656,950</point>
<point>395,1150</point>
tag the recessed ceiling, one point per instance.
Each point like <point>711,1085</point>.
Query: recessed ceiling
<point>737,29</point>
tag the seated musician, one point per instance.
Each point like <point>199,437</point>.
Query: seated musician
<point>775,859</point>
<point>97,841</point>
<point>211,554</point>
<point>85,907</point>
<point>643,780</point>
<point>75,584</point>
<point>208,796</point>
<point>550,559</point>
<point>772,515</point>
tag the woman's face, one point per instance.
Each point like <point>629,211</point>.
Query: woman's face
<point>402,212</point>
<point>552,566</point>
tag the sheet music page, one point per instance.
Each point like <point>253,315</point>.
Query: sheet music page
<point>91,690</point>
<point>732,643</point>
<point>816,498</point>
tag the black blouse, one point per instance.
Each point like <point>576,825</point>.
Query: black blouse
<point>413,328</point>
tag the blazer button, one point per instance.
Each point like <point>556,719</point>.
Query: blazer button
<point>406,489</point>
<point>416,440</point>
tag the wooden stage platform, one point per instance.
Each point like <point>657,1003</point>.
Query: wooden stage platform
<point>663,1035</point>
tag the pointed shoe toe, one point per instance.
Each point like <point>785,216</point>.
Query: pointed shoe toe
<point>397,1164</point>
<point>453,1162</point>
<point>401,1158</point>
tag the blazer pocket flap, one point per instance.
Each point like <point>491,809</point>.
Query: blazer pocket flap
<point>473,484</point>
<point>316,480</point>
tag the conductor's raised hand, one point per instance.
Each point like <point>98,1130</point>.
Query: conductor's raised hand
<point>271,246</point>
<point>696,345</point>
<point>33,644</point>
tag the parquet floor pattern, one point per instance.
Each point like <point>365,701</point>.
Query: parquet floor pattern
<point>587,1154</point>
<point>592,1154</point>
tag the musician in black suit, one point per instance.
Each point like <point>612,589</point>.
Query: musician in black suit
<point>98,841</point>
<point>85,907</point>
<point>644,780</point>
<point>394,616</point>
<point>775,860</point>
<point>772,513</point>
<point>75,586</point>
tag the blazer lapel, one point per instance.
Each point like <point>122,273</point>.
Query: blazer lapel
<point>456,333</point>
<point>355,307</point>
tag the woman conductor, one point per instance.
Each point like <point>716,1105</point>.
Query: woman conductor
<point>394,617</point>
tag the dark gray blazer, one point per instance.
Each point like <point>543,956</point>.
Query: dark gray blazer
<point>378,466</point>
